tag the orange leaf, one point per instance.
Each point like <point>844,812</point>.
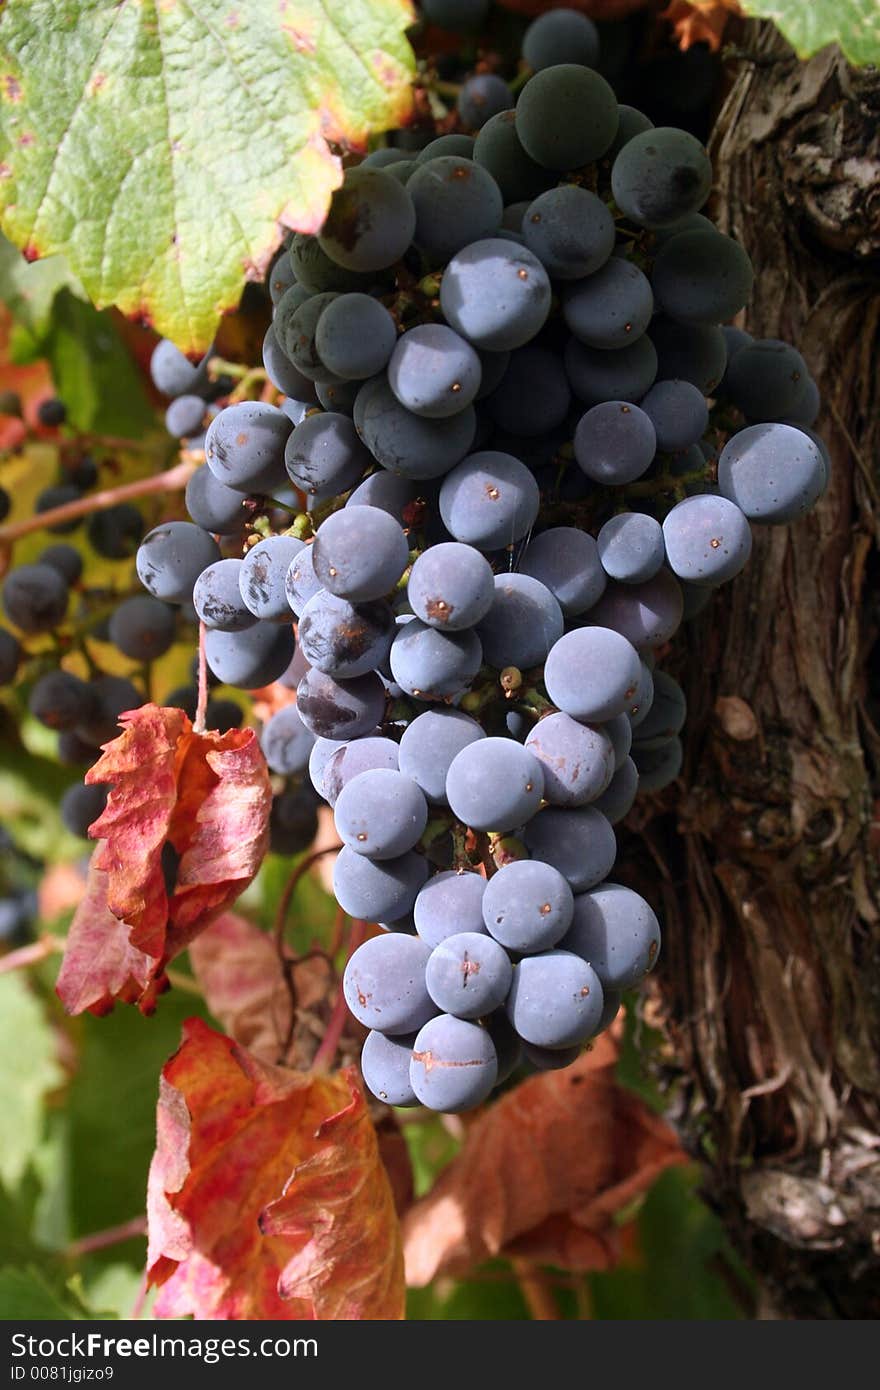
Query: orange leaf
<point>700,21</point>
<point>542,1174</point>
<point>238,969</point>
<point>100,964</point>
<point>208,796</point>
<point>267,1197</point>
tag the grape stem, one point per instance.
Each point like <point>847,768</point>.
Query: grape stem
<point>536,1290</point>
<point>172,480</point>
<point>31,955</point>
<point>103,1240</point>
<point>326,1053</point>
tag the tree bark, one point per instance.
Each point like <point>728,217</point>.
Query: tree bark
<point>770,986</point>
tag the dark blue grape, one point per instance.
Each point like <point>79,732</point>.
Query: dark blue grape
<point>578,759</point>
<point>693,352</point>
<point>429,745</point>
<point>614,443</point>
<point>462,145</point>
<point>624,374</point>
<point>340,709</point>
<point>35,597</point>
<point>660,176</point>
<point>170,559</point>
<point>610,308</point>
<point>555,999</point>
<point>381,813</point>
<point>433,372</point>
<point>454,1065</point>
<point>619,796</point>
<point>116,532</point>
<point>384,983</point>
<point>468,975</point>
<point>631,547</point>
<point>499,149</point>
<point>570,230</point>
<point>701,277</point>
<point>773,473</point>
<point>143,628</point>
<point>495,294</point>
<point>456,202</point>
<point>244,446</point>
<point>450,903</point>
<point>10,656</point>
<point>678,412</point>
<point>522,624</point>
<point>370,223</point>
<point>217,597</point>
<point>528,906</point>
<point>451,586</point>
<point>579,842</point>
<point>645,614</point>
<point>561,36</point>
<point>385,1067</point>
<point>592,673</point>
<point>252,658</point>
<point>430,664</point>
<point>666,716</point>
<point>380,890</point>
<point>360,553</point>
<point>406,443</point>
<point>482,96</point>
<point>263,575</point>
<point>80,807</point>
<point>708,539</point>
<point>659,767</point>
<point>617,932</point>
<point>387,491</point>
<point>533,396</point>
<point>213,506</point>
<point>348,760</point>
<point>301,582</point>
<point>566,560</point>
<point>566,116</point>
<point>490,500</point>
<point>494,784</point>
<point>286,742</point>
<point>284,376</point>
<point>344,639</point>
<point>355,336</point>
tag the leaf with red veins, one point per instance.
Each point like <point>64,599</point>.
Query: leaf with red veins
<point>267,1197</point>
<point>209,797</point>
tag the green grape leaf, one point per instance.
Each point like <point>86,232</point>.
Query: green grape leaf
<point>158,146</point>
<point>811,24</point>
<point>25,1031</point>
<point>29,287</point>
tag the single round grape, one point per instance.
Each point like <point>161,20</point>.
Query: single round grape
<point>340,709</point>
<point>612,307</point>
<point>566,116</point>
<point>702,277</point>
<point>387,491</point>
<point>451,586</point>
<point>468,975</point>
<point>75,751</point>
<point>482,96</point>
<point>561,36</point>
<point>115,533</point>
<point>217,597</point>
<point>35,597</point>
<point>495,294</point>
<point>80,807</point>
<point>379,890</point>
<point>212,505</point>
<point>223,715</point>
<point>619,730</point>
<point>429,745</point>
<point>184,417</point>
<point>619,796</point>
<point>284,376</point>
<point>360,554</point>
<point>614,443</point>
<point>185,697</point>
<point>171,371</point>
<point>450,903</point>
<point>65,559</point>
<point>566,560</point>
<point>355,336</point>
<point>645,614</point>
<point>522,624</point>
<point>370,223</point>
<point>708,539</point>
<point>281,276</point>
<point>534,396</point>
<point>433,371</point>
<point>346,761</point>
<point>263,575</point>
<point>252,658</point>
<point>301,582</point>
<point>171,557</point>
<point>489,500</point>
<point>381,813</point>
<point>409,444</point>
<point>577,841</point>
<point>384,984</point>
<point>385,1067</point>
<point>765,380</point>
<point>286,742</point>
<point>454,1065</point>
<point>244,446</point>
<point>617,932</point>
<point>528,906</point>
<point>550,1058</point>
<point>430,664</point>
<point>343,639</point>
<point>693,352</point>
<point>60,700</point>
<point>297,335</point>
<point>555,999</point>
<point>678,412</point>
<point>578,759</point>
<point>456,202</point>
<point>592,673</point>
<point>570,230</point>
<point>338,396</point>
<point>660,176</point>
<point>632,123</point>
<point>659,767</point>
<point>293,822</point>
<point>316,273</point>
<point>631,547</point>
<point>499,149</point>
<point>115,696</point>
<point>624,374</point>
<point>774,473</point>
<point>142,628</point>
<point>494,784</point>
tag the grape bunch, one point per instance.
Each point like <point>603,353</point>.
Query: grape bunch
<point>522,443</point>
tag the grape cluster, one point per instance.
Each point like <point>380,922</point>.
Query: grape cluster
<point>523,445</point>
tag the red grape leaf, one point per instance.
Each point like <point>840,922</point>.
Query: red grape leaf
<point>238,969</point>
<point>542,1174</point>
<point>208,796</point>
<point>100,964</point>
<point>267,1197</point>
<point>699,21</point>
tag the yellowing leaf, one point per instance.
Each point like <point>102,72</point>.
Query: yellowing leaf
<point>267,1197</point>
<point>158,145</point>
